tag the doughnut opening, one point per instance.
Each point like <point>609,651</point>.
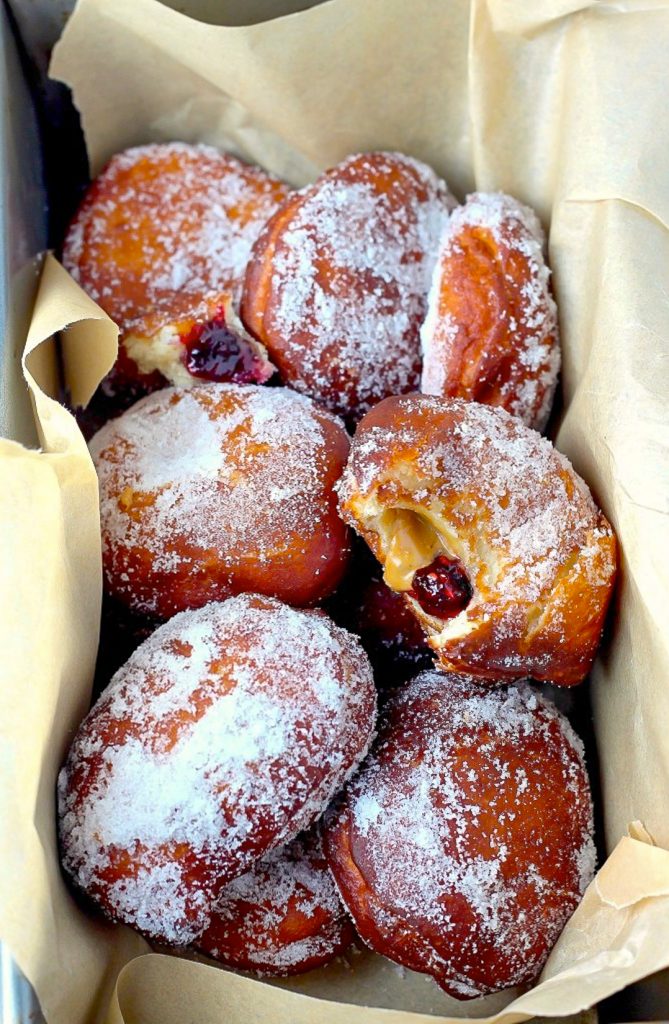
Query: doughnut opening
<point>211,344</point>
<point>442,589</point>
<point>211,351</point>
<point>411,543</point>
<point>422,563</point>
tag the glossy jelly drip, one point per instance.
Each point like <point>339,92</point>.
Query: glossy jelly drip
<point>442,588</point>
<point>213,352</point>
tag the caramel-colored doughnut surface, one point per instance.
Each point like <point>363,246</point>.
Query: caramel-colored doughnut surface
<point>464,843</point>
<point>161,242</point>
<point>491,330</point>
<point>282,917</point>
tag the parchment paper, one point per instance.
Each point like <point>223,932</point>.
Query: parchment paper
<point>563,104</point>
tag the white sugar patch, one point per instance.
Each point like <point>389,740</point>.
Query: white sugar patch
<point>354,328</point>
<point>242,715</point>
<point>440,815</point>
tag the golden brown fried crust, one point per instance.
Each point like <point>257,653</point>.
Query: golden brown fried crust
<point>540,556</point>
<point>491,331</point>
<point>283,917</point>
<point>464,842</point>
<point>336,287</point>
<point>163,235</point>
<point>218,490</point>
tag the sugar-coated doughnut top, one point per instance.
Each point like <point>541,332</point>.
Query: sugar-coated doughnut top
<point>491,477</point>
<point>164,228</point>
<point>239,471</point>
<point>471,815</point>
<point>225,733</point>
<point>351,265</point>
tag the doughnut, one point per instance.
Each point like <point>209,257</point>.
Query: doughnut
<point>336,287</point>
<point>224,735</point>
<point>161,241</point>
<point>217,489</point>
<point>282,917</point>
<point>491,333</point>
<point>487,531</point>
<point>464,843</point>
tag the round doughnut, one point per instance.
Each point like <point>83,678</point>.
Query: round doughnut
<point>224,735</point>
<point>488,532</point>
<point>337,284</point>
<point>464,843</point>
<point>282,917</point>
<point>161,242</point>
<point>218,489</point>
<point>491,330</point>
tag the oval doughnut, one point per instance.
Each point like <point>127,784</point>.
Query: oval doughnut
<point>488,532</point>
<point>218,489</point>
<point>224,735</point>
<point>491,333</point>
<point>464,843</point>
<point>337,284</point>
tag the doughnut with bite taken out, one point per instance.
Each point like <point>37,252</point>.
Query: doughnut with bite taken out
<point>488,532</point>
<point>217,489</point>
<point>337,284</point>
<point>491,330</point>
<point>224,735</point>
<point>464,843</point>
<point>161,242</point>
<point>282,917</point>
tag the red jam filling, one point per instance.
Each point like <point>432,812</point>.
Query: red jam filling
<point>442,589</point>
<point>213,352</point>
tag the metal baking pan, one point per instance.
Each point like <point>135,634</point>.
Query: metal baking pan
<point>38,191</point>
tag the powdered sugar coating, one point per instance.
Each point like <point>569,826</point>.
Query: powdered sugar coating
<point>497,496</point>
<point>337,285</point>
<point>226,733</point>
<point>282,917</point>
<point>217,489</point>
<point>491,329</point>
<point>165,232</point>
<point>465,841</point>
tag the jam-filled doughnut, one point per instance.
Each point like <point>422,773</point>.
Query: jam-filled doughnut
<point>464,843</point>
<point>488,532</point>
<point>217,489</point>
<point>161,242</point>
<point>337,284</point>
<point>491,330</point>
<point>225,734</point>
<point>282,917</point>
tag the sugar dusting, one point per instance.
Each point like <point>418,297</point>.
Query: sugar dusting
<point>207,459</point>
<point>442,818</point>
<point>350,279</point>
<point>532,338</point>
<point>520,517</point>
<point>225,733</point>
<point>281,915</point>
<point>165,228</point>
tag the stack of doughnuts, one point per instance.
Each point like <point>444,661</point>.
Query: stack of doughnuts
<point>365,357</point>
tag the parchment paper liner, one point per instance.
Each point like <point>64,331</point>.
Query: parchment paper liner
<point>559,105</point>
